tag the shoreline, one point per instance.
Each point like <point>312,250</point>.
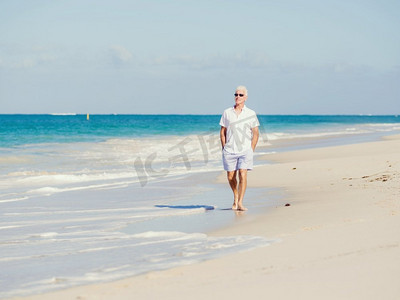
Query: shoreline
<point>340,236</point>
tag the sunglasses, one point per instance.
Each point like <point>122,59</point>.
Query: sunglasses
<point>240,95</point>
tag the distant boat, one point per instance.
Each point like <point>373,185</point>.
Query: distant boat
<point>87,117</point>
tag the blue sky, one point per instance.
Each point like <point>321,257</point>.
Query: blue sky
<point>295,57</point>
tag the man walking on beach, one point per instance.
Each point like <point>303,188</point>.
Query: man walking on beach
<point>239,137</point>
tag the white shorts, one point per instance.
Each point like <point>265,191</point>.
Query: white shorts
<point>242,161</point>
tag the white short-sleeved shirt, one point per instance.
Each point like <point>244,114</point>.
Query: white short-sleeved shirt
<point>239,129</point>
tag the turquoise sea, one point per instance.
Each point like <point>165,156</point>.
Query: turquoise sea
<point>85,201</point>
<point>18,130</point>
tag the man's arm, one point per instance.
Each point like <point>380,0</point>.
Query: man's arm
<point>222,136</point>
<point>254,139</point>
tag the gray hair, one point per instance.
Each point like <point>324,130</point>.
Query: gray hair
<point>242,88</point>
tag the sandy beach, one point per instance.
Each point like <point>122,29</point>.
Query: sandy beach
<point>338,237</point>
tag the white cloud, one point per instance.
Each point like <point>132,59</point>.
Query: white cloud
<point>47,58</point>
<point>34,60</point>
<point>120,55</point>
<point>211,61</point>
<point>19,57</point>
<point>26,63</point>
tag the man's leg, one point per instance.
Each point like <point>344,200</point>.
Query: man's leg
<point>233,183</point>
<point>242,188</point>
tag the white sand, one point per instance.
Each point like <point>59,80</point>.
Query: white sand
<point>340,236</point>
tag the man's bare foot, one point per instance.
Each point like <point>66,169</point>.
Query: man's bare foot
<point>241,208</point>
<point>234,206</point>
